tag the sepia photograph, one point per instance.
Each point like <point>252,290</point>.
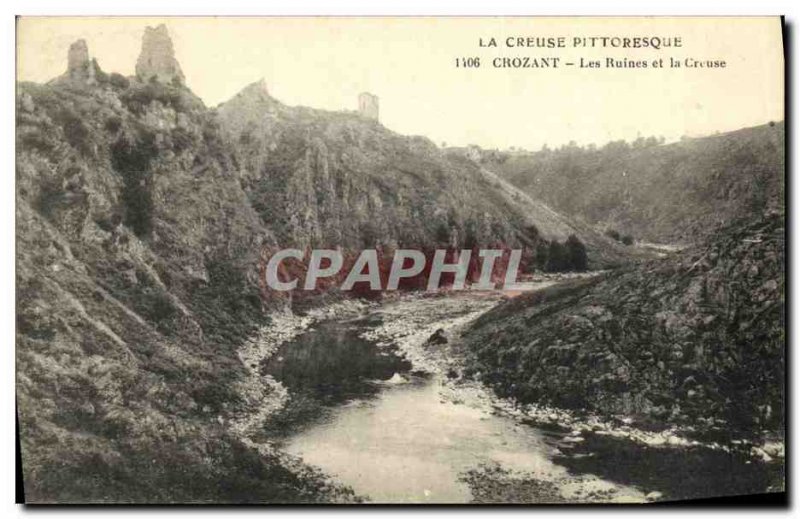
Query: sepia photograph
<point>400,260</point>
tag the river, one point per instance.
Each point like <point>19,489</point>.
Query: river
<point>375,411</point>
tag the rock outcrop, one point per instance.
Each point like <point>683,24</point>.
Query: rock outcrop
<point>695,339</point>
<point>258,89</point>
<point>249,108</point>
<point>157,58</point>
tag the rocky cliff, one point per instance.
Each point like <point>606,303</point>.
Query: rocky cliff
<point>337,179</point>
<point>696,339</point>
<point>136,285</point>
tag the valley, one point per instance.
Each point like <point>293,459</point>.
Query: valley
<point>640,358</point>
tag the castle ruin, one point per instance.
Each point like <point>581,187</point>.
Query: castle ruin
<point>157,58</point>
<point>80,68</point>
<point>368,105</point>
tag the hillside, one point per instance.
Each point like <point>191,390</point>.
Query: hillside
<point>673,193</point>
<point>695,339</point>
<point>135,262</point>
<point>339,179</point>
<point>141,217</point>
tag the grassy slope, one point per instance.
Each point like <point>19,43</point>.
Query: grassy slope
<point>666,193</point>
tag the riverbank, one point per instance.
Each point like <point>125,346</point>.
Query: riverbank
<point>589,458</point>
<point>264,396</point>
<point>423,334</point>
<point>384,426</point>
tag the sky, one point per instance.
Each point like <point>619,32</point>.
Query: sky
<point>410,64</point>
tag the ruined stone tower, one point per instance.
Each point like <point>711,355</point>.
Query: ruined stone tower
<point>157,58</point>
<point>80,69</point>
<point>368,105</point>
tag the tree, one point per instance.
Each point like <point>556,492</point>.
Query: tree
<point>542,255</point>
<point>557,258</point>
<point>576,253</point>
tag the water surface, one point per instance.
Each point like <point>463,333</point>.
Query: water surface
<point>387,432</point>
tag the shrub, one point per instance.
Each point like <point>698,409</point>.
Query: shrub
<point>75,130</point>
<point>118,81</point>
<point>182,139</point>
<point>132,159</point>
<point>36,141</point>
<point>50,196</point>
<point>442,233</point>
<point>611,233</point>
<point>136,99</point>
<point>99,75</point>
<point>532,232</point>
<point>113,123</point>
<point>627,239</point>
<point>542,255</point>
